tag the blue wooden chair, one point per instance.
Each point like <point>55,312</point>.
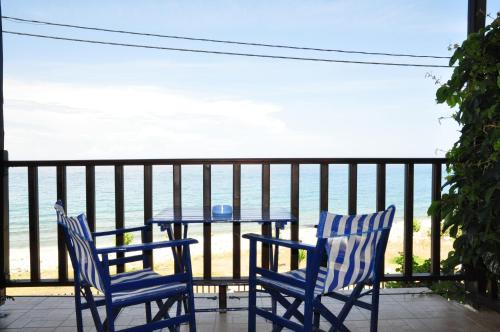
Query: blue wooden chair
<point>355,247</point>
<point>91,270</point>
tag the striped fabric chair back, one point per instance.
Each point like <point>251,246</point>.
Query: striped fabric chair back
<point>352,243</point>
<point>80,246</point>
<point>86,260</point>
<point>78,225</point>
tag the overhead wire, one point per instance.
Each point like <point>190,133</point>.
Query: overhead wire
<point>23,20</point>
<point>255,55</point>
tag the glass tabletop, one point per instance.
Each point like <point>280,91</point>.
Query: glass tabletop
<point>188,216</point>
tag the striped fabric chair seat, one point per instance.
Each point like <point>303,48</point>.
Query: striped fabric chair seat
<point>140,295</point>
<point>139,275</point>
<point>300,275</point>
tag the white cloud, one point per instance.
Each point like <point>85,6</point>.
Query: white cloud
<point>58,121</point>
<point>76,121</point>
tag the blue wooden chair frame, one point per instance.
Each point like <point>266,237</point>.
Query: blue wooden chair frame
<point>304,289</point>
<point>120,284</point>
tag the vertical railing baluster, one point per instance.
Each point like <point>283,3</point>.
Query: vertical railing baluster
<point>294,209</point>
<point>436,222</point>
<point>207,226</point>
<point>177,196</point>
<point>408,221</point>
<point>4,222</point>
<point>266,201</point>
<point>353,189</point>
<point>119,212</point>
<point>323,187</point>
<point>62,256</point>
<point>177,201</point>
<point>34,225</point>
<point>236,225</point>
<point>90,195</point>
<point>381,185</point>
<point>148,209</point>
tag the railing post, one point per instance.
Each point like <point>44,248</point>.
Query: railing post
<point>323,187</point>
<point>61,243</point>
<point>381,186</point>
<point>222,298</point>
<point>177,197</point>
<point>90,195</point>
<point>353,189</point>
<point>4,238</point>
<point>266,201</point>
<point>119,212</point>
<point>294,209</point>
<point>476,17</point>
<point>236,225</point>
<point>436,222</point>
<point>207,226</point>
<point>34,225</point>
<point>408,221</point>
<point>177,203</point>
<point>148,209</point>
<point>4,187</point>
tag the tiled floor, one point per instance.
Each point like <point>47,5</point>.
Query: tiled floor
<point>398,312</point>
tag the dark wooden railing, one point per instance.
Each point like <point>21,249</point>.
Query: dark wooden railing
<point>177,164</point>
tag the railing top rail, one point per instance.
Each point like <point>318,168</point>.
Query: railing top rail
<point>222,161</point>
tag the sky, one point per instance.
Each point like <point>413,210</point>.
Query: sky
<point>66,100</point>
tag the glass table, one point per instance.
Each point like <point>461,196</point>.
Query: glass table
<point>278,217</point>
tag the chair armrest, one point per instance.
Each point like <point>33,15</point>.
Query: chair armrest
<point>146,246</point>
<point>120,231</point>
<point>279,242</point>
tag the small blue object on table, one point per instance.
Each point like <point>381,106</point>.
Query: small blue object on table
<point>222,211</point>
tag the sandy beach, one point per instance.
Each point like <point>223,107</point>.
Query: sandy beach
<point>222,254</point>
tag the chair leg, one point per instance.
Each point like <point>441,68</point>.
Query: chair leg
<point>374,313</point>
<point>110,319</point>
<point>317,315</point>
<point>78,308</point>
<point>252,304</point>
<point>274,306</point>
<point>308,315</point>
<point>192,317</point>
<point>252,288</point>
<point>93,308</point>
<point>148,311</point>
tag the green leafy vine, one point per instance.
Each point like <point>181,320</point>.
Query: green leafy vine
<point>471,207</point>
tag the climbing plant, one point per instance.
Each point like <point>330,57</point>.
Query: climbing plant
<point>471,206</point>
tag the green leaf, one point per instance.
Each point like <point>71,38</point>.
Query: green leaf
<point>442,94</point>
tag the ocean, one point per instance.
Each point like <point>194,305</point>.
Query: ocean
<point>192,193</point>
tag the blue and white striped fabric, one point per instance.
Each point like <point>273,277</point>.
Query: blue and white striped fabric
<point>87,263</point>
<point>300,275</point>
<point>140,275</point>
<point>351,245</point>
<point>78,225</point>
<point>149,292</point>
